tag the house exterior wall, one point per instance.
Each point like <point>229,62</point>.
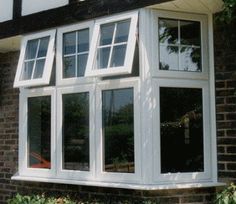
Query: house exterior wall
<point>6,10</point>
<point>225,61</point>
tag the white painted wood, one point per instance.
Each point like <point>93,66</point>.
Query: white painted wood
<point>6,10</point>
<point>34,6</point>
<point>192,6</point>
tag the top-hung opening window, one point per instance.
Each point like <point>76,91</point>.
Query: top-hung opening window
<point>113,46</point>
<point>36,60</point>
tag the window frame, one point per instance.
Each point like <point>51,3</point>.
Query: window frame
<point>24,170</point>
<point>112,176</point>
<point>91,70</point>
<point>59,55</point>
<point>202,19</point>
<point>190,176</point>
<point>46,76</point>
<point>76,174</point>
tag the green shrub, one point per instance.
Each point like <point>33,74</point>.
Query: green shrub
<point>38,199</point>
<point>227,196</point>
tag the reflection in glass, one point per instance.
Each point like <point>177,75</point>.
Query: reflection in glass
<point>168,31</point>
<point>118,56</point>
<point>69,67</point>
<point>82,61</point>
<point>169,59</point>
<point>69,43</point>
<point>43,47</point>
<point>27,71</point>
<point>83,40</point>
<point>181,130</point>
<point>190,59</point>
<point>38,72</point>
<point>180,45</point>
<point>106,34</point>
<point>118,130</point>
<point>76,131</point>
<point>39,132</point>
<point>31,49</point>
<point>103,57</point>
<point>190,33</point>
<point>122,31</point>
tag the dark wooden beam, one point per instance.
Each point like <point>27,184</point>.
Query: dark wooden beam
<point>75,11</point>
<point>17,5</point>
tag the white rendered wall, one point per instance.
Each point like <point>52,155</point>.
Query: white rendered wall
<point>34,6</point>
<point>6,10</point>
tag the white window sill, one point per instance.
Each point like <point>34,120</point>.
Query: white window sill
<point>120,185</point>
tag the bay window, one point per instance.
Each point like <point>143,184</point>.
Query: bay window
<point>101,125</point>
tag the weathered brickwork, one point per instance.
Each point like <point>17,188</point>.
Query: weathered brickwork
<point>225,66</point>
<point>225,61</point>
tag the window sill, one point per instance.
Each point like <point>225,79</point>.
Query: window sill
<point>120,185</point>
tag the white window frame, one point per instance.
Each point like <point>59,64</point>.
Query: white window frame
<point>110,176</point>
<point>91,70</point>
<point>156,72</point>
<point>23,133</point>
<point>181,177</point>
<point>59,55</point>
<point>76,174</point>
<point>48,60</point>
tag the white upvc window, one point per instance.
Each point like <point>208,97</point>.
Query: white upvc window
<point>113,45</point>
<point>73,48</point>
<point>36,59</point>
<point>118,131</point>
<point>37,139</point>
<point>151,130</point>
<point>75,136</point>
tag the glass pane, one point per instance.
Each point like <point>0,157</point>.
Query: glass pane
<point>118,130</point>
<point>190,33</point>
<point>118,56</point>
<point>122,32</point>
<point>83,40</point>
<point>169,59</point>
<point>181,130</point>
<point>103,57</point>
<point>76,131</point>
<point>31,49</point>
<point>43,47</point>
<point>190,59</point>
<point>69,67</point>
<point>82,62</point>
<point>39,132</point>
<point>69,43</point>
<point>106,34</point>
<point>38,73</point>
<point>27,71</point>
<point>168,31</point>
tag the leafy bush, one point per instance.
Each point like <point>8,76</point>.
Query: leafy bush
<point>39,199</point>
<point>227,196</point>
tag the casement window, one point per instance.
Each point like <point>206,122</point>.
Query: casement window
<point>100,125</point>
<point>112,47</point>
<point>36,60</point>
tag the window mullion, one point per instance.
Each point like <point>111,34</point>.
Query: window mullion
<point>35,60</point>
<point>112,46</point>
<point>179,44</point>
<point>76,56</point>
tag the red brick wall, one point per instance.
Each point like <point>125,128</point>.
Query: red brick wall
<point>225,66</point>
